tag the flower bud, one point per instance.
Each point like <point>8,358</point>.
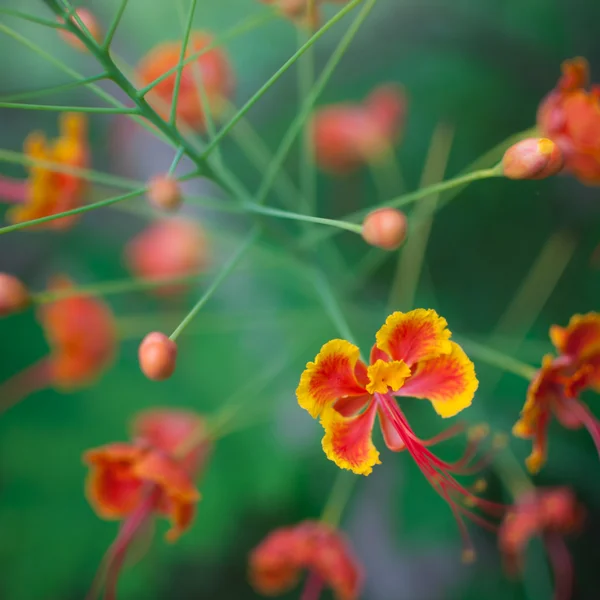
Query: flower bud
<point>385,228</point>
<point>157,355</point>
<point>90,21</point>
<point>164,193</point>
<point>533,158</point>
<point>14,296</point>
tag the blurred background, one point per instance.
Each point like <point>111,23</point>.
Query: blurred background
<point>480,66</point>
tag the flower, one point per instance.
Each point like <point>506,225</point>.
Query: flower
<point>275,564</point>
<point>347,136</point>
<point>151,475</point>
<point>167,249</point>
<point>570,116</point>
<point>532,158</point>
<point>51,192</point>
<point>299,10</point>
<point>550,513</point>
<point>413,356</point>
<point>555,388</point>
<point>14,295</point>
<point>81,333</point>
<point>212,68</point>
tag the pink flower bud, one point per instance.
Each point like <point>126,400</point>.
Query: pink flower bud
<point>14,296</point>
<point>157,355</point>
<point>90,21</point>
<point>385,228</point>
<point>164,193</point>
<point>533,158</point>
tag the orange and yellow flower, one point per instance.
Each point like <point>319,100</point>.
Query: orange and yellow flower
<point>151,475</point>
<point>347,136</point>
<point>551,514</point>
<point>276,563</point>
<point>555,389</point>
<point>413,356</point>
<point>570,116</point>
<point>212,67</point>
<point>51,192</point>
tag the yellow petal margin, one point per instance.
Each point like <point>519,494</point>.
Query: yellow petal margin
<point>384,375</point>
<point>580,338</point>
<point>330,377</point>
<point>414,336</point>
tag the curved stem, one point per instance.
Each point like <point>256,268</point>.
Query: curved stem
<point>32,379</point>
<point>338,498</point>
<point>109,110</point>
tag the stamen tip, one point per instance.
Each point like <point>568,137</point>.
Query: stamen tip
<point>468,556</point>
<point>478,432</point>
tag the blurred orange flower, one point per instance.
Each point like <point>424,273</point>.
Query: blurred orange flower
<point>413,356</point>
<point>275,564</point>
<point>50,192</point>
<point>347,136</point>
<point>299,11</point>
<point>556,387</point>
<point>212,68</point>
<point>570,116</point>
<point>152,474</point>
<point>166,249</point>
<point>550,513</point>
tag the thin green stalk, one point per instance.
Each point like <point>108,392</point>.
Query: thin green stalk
<point>338,498</point>
<point>281,71</point>
<point>228,267</point>
<point>498,359</point>
<point>248,25</point>
<point>74,211</point>
<point>32,18</point>
<point>110,288</point>
<point>72,15</point>
<point>297,124</point>
<point>282,214</point>
<point>179,73</point>
<point>412,255</point>
<point>56,89</point>
<point>87,174</point>
<point>176,159</point>
<point>109,110</point>
<point>114,25</point>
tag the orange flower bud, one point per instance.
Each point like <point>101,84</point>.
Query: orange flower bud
<point>14,296</point>
<point>164,193</point>
<point>90,21</point>
<point>385,228</point>
<point>157,355</point>
<point>533,158</point>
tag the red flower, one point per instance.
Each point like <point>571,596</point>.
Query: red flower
<point>347,136</point>
<point>413,356</point>
<point>275,564</point>
<point>81,332</point>
<point>551,514</point>
<point>570,116</point>
<point>212,67</point>
<point>167,249</point>
<point>152,475</point>
<point>555,389</point>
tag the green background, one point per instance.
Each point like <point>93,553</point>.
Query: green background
<point>480,65</point>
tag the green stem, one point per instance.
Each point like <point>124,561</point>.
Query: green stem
<point>114,24</point>
<point>83,109</point>
<point>297,124</point>
<point>178,156</point>
<point>338,498</point>
<point>498,359</point>
<point>109,288</point>
<point>87,174</point>
<point>54,89</point>
<point>281,71</point>
<point>222,275</point>
<point>33,19</point>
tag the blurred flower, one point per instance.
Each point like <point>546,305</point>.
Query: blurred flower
<point>300,12</point>
<point>532,158</point>
<point>166,249</point>
<point>212,68</point>
<point>570,116</point>
<point>275,564</point>
<point>385,228</point>
<point>347,136</point>
<point>413,356</point>
<point>14,296</point>
<point>550,513</point>
<point>151,475</point>
<point>556,387</point>
<point>164,193</point>
<point>157,355</point>
<point>88,18</point>
<point>82,336</point>
<point>49,192</point>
